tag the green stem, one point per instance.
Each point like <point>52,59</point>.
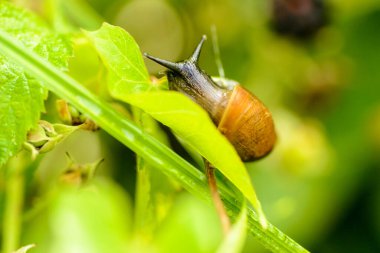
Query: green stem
<point>143,195</point>
<point>144,145</point>
<point>143,187</point>
<point>14,198</point>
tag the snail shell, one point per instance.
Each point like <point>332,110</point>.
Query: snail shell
<point>239,115</point>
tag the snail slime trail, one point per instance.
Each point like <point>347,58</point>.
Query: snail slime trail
<point>239,115</point>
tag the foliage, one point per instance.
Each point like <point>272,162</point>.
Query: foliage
<point>22,96</point>
<point>124,173</point>
<point>198,136</point>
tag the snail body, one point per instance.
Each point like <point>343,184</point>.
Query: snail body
<point>239,115</point>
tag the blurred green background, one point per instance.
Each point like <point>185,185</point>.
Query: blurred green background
<point>320,185</point>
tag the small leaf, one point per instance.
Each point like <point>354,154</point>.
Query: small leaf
<point>235,239</point>
<point>25,248</point>
<point>127,82</point>
<point>121,55</point>
<point>21,96</point>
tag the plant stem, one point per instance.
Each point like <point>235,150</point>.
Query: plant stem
<point>154,152</point>
<point>142,195</point>
<point>14,198</point>
<point>143,188</point>
<point>225,221</point>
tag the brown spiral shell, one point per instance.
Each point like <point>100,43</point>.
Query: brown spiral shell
<point>248,125</point>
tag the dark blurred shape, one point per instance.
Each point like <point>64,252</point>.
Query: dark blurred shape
<point>298,18</point>
<point>322,87</point>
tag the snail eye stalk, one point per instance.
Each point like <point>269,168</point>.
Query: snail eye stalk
<point>197,52</point>
<point>170,65</point>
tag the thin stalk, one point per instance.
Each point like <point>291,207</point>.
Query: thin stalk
<point>143,187</point>
<point>215,46</point>
<point>14,198</point>
<point>143,195</point>
<point>225,221</point>
<point>153,151</point>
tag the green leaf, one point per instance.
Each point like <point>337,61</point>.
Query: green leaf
<point>21,100</point>
<point>235,239</point>
<point>121,55</point>
<point>128,79</point>
<point>21,96</point>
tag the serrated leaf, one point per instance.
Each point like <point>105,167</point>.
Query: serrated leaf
<point>21,97</point>
<point>183,116</point>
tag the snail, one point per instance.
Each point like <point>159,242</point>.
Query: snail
<point>238,114</point>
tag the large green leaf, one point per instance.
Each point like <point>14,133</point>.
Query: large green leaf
<point>129,81</point>
<point>21,96</point>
